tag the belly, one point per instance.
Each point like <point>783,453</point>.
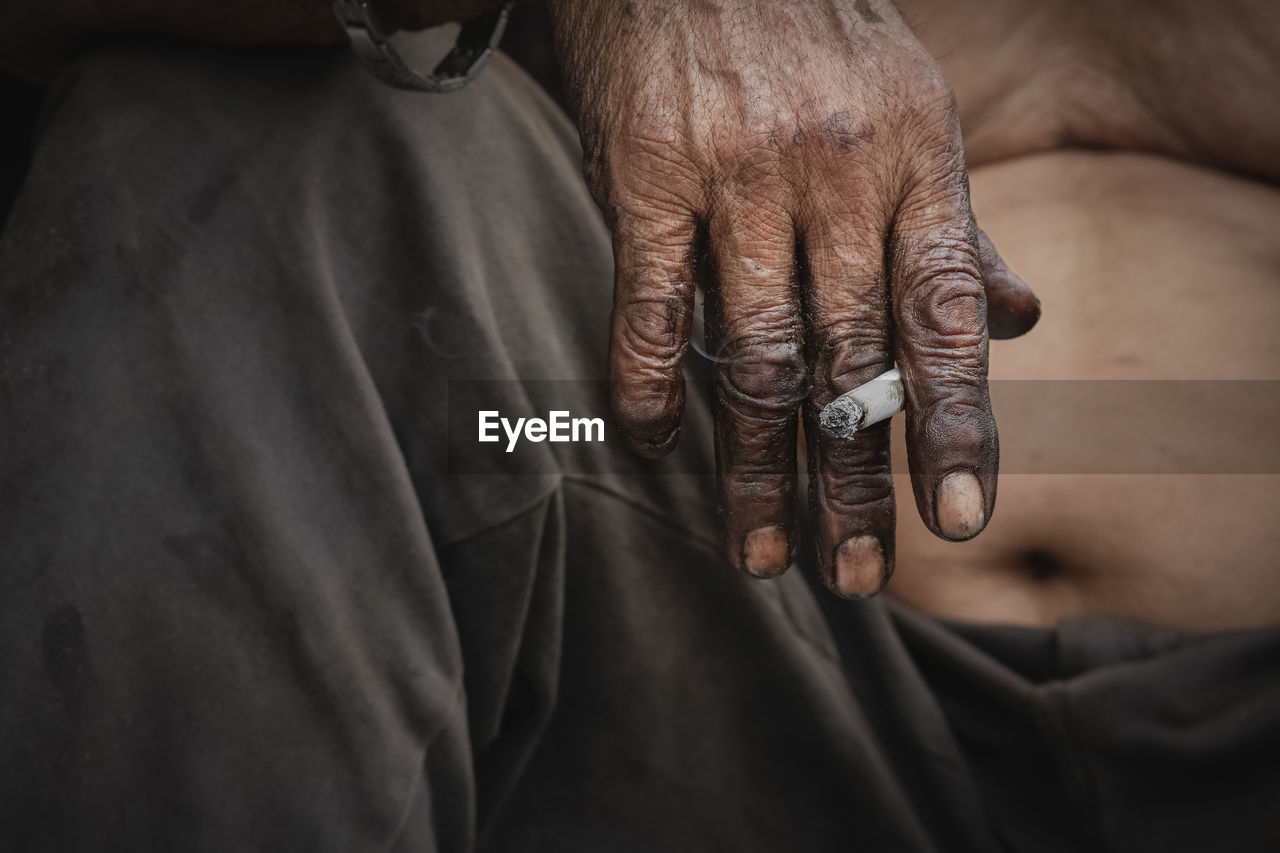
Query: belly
<point>1147,270</point>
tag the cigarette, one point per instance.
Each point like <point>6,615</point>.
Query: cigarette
<point>878,400</point>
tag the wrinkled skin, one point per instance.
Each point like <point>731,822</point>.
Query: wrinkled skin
<point>802,161</point>
<point>1188,80</point>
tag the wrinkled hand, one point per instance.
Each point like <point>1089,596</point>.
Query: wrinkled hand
<point>802,159</point>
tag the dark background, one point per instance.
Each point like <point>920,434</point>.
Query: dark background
<point>528,40</point>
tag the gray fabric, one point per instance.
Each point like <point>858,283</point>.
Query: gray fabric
<point>245,604</point>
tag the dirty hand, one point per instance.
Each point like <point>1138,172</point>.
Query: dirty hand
<point>802,160</point>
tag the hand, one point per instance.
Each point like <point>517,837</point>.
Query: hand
<point>802,159</point>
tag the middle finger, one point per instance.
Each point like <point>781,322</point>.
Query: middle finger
<point>760,379</point>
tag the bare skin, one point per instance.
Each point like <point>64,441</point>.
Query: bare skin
<point>803,162</point>
<point>684,107</point>
<point>1187,80</point>
<point>1172,275</point>
<point>1150,269</point>
<point>811,150</point>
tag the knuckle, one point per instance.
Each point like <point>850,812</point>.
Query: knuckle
<point>651,331</point>
<point>946,299</point>
<point>851,352</point>
<point>764,376</point>
<point>952,309</point>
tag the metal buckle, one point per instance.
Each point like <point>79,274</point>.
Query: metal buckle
<point>477,40</point>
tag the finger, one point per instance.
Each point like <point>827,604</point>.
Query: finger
<point>1012,307</point>
<point>760,381</point>
<point>849,343</point>
<point>941,347</point>
<point>652,320</point>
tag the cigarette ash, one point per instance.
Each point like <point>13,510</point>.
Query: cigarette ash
<point>842,417</point>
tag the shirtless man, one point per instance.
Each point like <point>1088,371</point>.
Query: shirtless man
<point>1162,266</point>
<point>620,692</point>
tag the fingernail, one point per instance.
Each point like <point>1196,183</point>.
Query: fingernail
<point>765,552</point>
<point>959,506</point>
<point>859,567</point>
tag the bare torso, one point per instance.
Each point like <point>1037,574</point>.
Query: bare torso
<point>1153,265</point>
<point>1147,269</point>
<point>1157,265</point>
